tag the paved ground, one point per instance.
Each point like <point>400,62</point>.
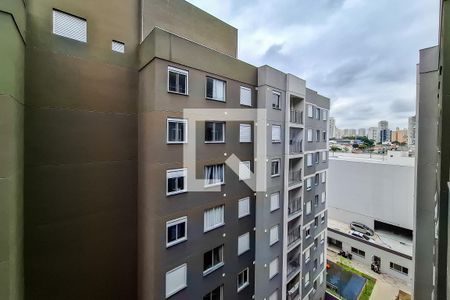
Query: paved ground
<point>386,287</point>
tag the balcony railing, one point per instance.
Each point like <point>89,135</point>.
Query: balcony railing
<point>295,176</point>
<point>294,205</point>
<point>296,116</point>
<point>295,147</point>
<point>294,235</point>
<point>293,265</point>
<point>293,292</point>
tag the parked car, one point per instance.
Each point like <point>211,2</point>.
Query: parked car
<point>360,235</point>
<point>361,228</point>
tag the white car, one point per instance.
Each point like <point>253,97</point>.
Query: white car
<point>360,235</point>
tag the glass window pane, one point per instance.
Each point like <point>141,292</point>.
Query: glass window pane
<point>172,81</point>
<point>182,83</point>
<point>171,234</point>
<point>209,87</point>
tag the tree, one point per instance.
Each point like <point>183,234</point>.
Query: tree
<point>334,148</point>
<point>362,147</point>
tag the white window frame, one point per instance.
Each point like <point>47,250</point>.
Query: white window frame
<point>276,160</point>
<point>322,257</point>
<point>175,222</point>
<point>276,106</point>
<point>308,207</point>
<point>173,291</point>
<point>217,182</point>
<point>244,91</point>
<point>309,159</point>
<point>307,228</point>
<point>308,183</point>
<point>307,255</point>
<point>274,137</point>
<point>243,207</point>
<point>309,135</point>
<point>216,266</point>
<point>274,235</point>
<point>241,286</point>
<point>324,155</point>
<point>244,170</point>
<point>70,26</point>
<point>317,113</point>
<point>179,71</point>
<point>244,238</point>
<point>214,98</point>
<point>310,111</point>
<point>325,115</point>
<point>220,220</point>
<point>243,136</point>
<point>306,279</point>
<point>178,121</point>
<point>323,199</point>
<point>274,201</point>
<point>184,171</point>
<point>216,123</point>
<point>324,176</point>
<point>274,268</point>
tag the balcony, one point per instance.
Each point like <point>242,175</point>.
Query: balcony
<point>294,205</point>
<point>296,117</point>
<point>293,265</point>
<point>295,146</point>
<point>294,235</point>
<point>295,176</point>
<point>293,292</point>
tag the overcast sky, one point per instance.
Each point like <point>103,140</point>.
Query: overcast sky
<point>360,53</point>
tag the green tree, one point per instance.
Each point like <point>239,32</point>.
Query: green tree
<point>334,148</point>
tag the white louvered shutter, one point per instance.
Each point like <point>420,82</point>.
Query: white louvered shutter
<point>176,280</point>
<point>246,96</point>
<point>245,133</point>
<point>69,26</point>
<point>243,243</point>
<point>118,47</point>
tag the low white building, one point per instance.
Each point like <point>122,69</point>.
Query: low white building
<point>377,191</point>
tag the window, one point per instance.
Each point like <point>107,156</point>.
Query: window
<point>275,167</point>
<point>214,175</point>
<point>308,231</point>
<point>243,243</point>
<point>274,295</point>
<point>69,26</point>
<point>176,131</point>
<point>244,207</point>
<point>275,201</point>
<point>322,237</point>
<point>242,280</point>
<point>276,100</point>
<point>306,279</point>
<point>317,135</point>
<point>273,268</point>
<point>246,96</point>
<point>323,197</point>
<point>176,181</point>
<point>324,176</point>
<point>215,89</point>
<point>322,217</point>
<point>324,156</point>
<point>316,200</point>
<point>244,170</point>
<point>117,46</point>
<point>317,157</point>
<point>214,217</point>
<point>176,231</point>
<point>358,252</point>
<point>316,179</point>
<point>310,135</point>
<point>216,294</point>
<point>307,255</point>
<point>317,113</point>
<point>315,264</point>
<point>276,133</point>
<point>214,132</point>
<point>324,136</point>
<point>310,110</point>
<point>177,81</point>
<point>309,159</point>
<point>212,260</point>
<point>176,280</point>
<point>398,268</point>
<point>245,133</point>
<point>308,184</point>
<point>324,115</point>
<point>322,259</point>
<point>316,221</point>
<point>308,207</point>
<point>273,235</point>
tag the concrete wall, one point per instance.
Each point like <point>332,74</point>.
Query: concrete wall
<point>186,20</point>
<point>12,73</point>
<point>367,191</point>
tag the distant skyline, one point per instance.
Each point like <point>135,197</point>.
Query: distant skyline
<point>361,54</point>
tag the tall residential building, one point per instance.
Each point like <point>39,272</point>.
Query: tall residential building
<point>339,133</point>
<point>373,134</point>
<point>332,128</point>
<point>113,208</point>
<point>349,132</point>
<point>384,132</point>
<point>362,132</point>
<point>412,131</point>
<point>399,135</point>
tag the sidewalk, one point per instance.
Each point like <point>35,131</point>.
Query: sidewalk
<point>386,287</point>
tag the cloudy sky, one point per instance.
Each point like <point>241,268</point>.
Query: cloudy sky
<point>360,53</point>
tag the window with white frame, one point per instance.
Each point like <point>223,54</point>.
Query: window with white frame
<point>309,135</point>
<point>276,100</point>
<point>177,80</point>
<point>324,136</point>
<point>243,243</point>
<point>308,207</point>
<point>212,260</point>
<point>214,132</point>
<point>317,135</point>
<point>324,115</point>
<point>117,46</point>
<point>317,157</point>
<point>316,179</point>
<point>323,197</point>
<point>274,295</point>
<point>306,279</point>
<point>308,183</point>
<point>69,26</point>
<point>322,258</point>
<point>244,170</point>
<point>316,200</point>
<point>276,133</point>
<point>316,221</point>
<point>243,279</point>
<point>309,159</point>
<point>307,255</point>
<point>308,231</point>
<point>317,113</point>
<point>176,280</point>
<point>244,207</point>
<point>274,201</point>
<point>176,231</point>
<point>214,175</point>
<point>273,268</point>
<point>176,181</point>
<point>322,217</point>
<point>324,156</point>
<point>216,294</point>
<point>273,235</point>
<point>245,133</point>
<point>215,89</point>
<point>246,96</point>
<point>214,217</point>
<point>310,110</point>
<point>176,131</point>
<point>275,167</point>
<point>322,237</point>
<point>324,176</point>
<point>321,278</point>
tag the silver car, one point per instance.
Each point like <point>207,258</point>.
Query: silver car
<point>356,226</point>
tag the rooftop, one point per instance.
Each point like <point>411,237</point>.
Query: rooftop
<point>399,158</point>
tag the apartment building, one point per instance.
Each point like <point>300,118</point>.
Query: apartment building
<point>362,132</point>
<point>332,128</point>
<point>384,133</point>
<point>412,131</point>
<point>399,135</point>
<point>373,134</point>
<point>109,208</point>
